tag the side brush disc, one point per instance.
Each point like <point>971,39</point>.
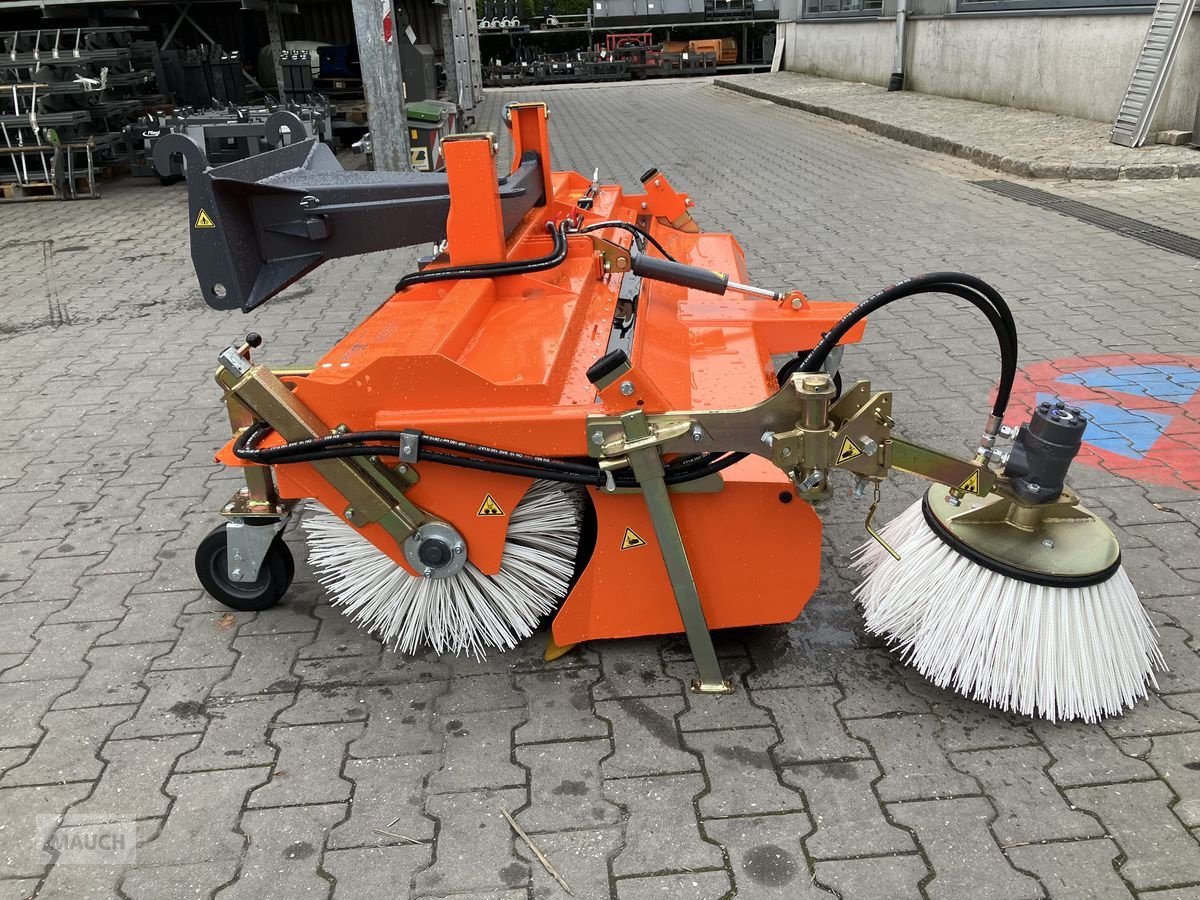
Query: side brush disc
<point>1026,612</point>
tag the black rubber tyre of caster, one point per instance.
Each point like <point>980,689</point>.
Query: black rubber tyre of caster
<point>274,576</point>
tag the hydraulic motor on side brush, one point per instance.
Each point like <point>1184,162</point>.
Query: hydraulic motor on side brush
<point>573,408</point>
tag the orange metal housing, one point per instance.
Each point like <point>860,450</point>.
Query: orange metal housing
<point>502,362</point>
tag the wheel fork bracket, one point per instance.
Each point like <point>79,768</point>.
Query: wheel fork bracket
<point>247,542</point>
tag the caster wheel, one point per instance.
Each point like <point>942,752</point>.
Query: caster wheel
<point>274,576</point>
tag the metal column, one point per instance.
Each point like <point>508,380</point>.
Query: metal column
<point>383,82</point>
<point>468,72</point>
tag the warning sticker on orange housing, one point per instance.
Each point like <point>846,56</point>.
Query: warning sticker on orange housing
<point>204,220</point>
<point>631,540</point>
<point>971,484</point>
<point>489,507</point>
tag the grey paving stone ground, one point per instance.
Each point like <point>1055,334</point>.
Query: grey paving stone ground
<point>282,754</point>
<point>1021,142</point>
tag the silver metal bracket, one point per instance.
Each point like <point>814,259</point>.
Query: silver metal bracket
<point>246,546</point>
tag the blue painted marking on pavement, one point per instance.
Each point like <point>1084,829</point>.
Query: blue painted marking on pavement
<point>1171,384</point>
<point>1129,432</point>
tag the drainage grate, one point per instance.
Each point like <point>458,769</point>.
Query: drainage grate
<point>1145,232</point>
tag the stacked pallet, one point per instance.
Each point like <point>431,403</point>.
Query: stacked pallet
<point>66,95</point>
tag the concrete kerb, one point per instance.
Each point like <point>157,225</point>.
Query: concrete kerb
<point>1012,165</point>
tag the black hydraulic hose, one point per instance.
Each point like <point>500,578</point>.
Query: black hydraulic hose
<point>632,229</point>
<point>288,452</point>
<point>497,269</point>
<point>487,465</point>
<point>967,287</point>
<point>505,462</point>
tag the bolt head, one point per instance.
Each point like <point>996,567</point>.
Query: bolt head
<point>236,573</point>
<point>597,438</point>
<point>869,446</point>
<point>428,572</point>
<point>458,549</point>
<point>797,303</point>
<point>951,500</point>
<point>697,434</point>
<point>1048,543</point>
<point>627,388</point>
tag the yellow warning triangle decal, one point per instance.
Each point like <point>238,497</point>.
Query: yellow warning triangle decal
<point>971,485</point>
<point>631,540</point>
<point>848,452</point>
<point>489,507</point>
<point>204,220</point>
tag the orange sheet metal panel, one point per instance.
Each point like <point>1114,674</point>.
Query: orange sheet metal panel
<point>755,559</point>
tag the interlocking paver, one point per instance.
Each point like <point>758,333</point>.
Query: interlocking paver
<point>810,725</point>
<point>474,849</point>
<point>309,765</point>
<point>646,740</point>
<point>375,871</point>
<point>24,705</point>
<point>388,797</point>
<point>560,706</point>
<point>634,669</point>
<point>661,834</point>
<point>279,857</point>
<point>67,752</point>
<point>184,881</point>
<point>174,703</point>
<point>114,677</point>
<point>766,856</point>
<point>876,877</point>
<point>19,853</point>
<point>1074,870</point>
<point>848,816</point>
<point>235,734</point>
<point>1085,754</point>
<point>914,765</point>
<point>263,666</point>
<point>1029,807</point>
<point>741,775</point>
<point>564,786</point>
<point>580,857</point>
<point>692,886</point>
<point>59,653</point>
<point>130,786</point>
<point>1138,816</point>
<point>960,847</point>
<point>477,752</point>
<point>730,710</point>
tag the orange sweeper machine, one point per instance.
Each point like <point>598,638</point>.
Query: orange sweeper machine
<point>578,406</point>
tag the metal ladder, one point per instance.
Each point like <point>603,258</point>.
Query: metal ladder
<point>1151,71</point>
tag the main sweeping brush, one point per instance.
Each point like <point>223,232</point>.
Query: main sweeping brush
<point>1017,599</point>
<point>467,612</point>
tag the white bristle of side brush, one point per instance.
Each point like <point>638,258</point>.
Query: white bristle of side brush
<point>1053,652</point>
<point>467,612</point>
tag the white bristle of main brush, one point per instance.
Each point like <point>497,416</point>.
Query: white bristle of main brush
<point>468,612</point>
<point>1059,653</point>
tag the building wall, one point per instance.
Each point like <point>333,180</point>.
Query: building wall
<point>1077,65</point>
